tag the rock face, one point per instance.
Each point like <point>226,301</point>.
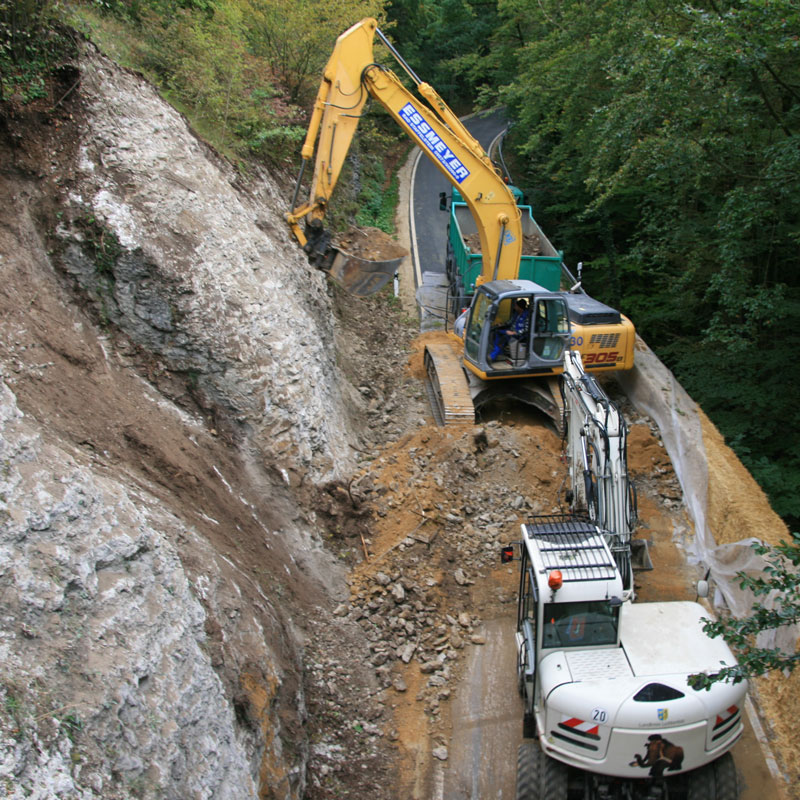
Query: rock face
<point>93,590</point>
<point>203,275</point>
<point>173,433</point>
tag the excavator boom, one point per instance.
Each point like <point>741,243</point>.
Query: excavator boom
<point>349,79</point>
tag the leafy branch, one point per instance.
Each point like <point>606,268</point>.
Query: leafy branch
<point>780,586</point>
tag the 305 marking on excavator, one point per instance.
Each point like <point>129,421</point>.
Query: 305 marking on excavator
<point>601,358</point>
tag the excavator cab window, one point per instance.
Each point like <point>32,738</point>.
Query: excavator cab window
<point>477,318</point>
<point>511,313</point>
<point>505,309</point>
<point>528,598</point>
<point>551,326</point>
<point>580,624</point>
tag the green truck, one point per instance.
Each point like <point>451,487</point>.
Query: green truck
<point>540,262</point>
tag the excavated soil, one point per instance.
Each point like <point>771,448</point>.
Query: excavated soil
<point>371,244</point>
<point>531,243</point>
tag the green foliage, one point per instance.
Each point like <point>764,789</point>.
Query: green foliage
<point>296,40</point>
<point>72,725</point>
<point>32,44</point>
<point>378,199</point>
<point>448,43</point>
<point>242,71</point>
<point>781,584</point>
<point>659,145</point>
<point>102,243</point>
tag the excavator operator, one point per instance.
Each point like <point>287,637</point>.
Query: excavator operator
<point>517,327</point>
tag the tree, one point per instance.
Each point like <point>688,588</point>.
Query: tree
<point>447,43</point>
<point>296,39</point>
<point>32,44</point>
<point>660,144</point>
<point>780,588</point>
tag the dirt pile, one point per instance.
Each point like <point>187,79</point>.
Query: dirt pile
<point>371,244</point>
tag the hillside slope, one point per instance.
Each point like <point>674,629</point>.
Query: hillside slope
<point>176,419</point>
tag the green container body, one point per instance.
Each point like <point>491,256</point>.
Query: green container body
<point>542,269</point>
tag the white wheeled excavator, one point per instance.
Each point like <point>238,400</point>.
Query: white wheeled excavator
<point>608,709</point>
<point>462,374</point>
<point>609,712</point>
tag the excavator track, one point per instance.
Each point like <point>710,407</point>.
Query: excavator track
<point>448,391</point>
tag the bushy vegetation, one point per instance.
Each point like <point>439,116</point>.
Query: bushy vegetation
<point>243,71</point>
<point>32,44</point>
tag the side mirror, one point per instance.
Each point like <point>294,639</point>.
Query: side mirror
<point>442,201</point>
<point>507,554</point>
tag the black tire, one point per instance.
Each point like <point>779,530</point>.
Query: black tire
<point>458,296</point>
<point>450,269</point>
<point>701,783</point>
<point>553,774</point>
<point>727,784</point>
<point>528,726</point>
<point>529,758</point>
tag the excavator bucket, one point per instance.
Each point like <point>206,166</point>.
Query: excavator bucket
<point>360,276</point>
<point>365,259</point>
<point>362,260</point>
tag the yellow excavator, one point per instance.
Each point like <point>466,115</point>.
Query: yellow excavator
<point>498,346</point>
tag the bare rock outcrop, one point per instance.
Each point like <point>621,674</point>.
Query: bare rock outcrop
<point>197,270</point>
<point>103,636</point>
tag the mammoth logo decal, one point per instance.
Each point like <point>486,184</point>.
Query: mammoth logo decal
<point>660,754</point>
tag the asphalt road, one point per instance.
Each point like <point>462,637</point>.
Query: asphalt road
<point>429,224</point>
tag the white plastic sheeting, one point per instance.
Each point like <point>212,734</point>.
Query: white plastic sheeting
<point>654,391</point>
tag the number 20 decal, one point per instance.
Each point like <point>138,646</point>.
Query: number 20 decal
<point>599,715</point>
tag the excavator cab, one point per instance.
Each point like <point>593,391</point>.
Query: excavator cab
<point>503,337</point>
